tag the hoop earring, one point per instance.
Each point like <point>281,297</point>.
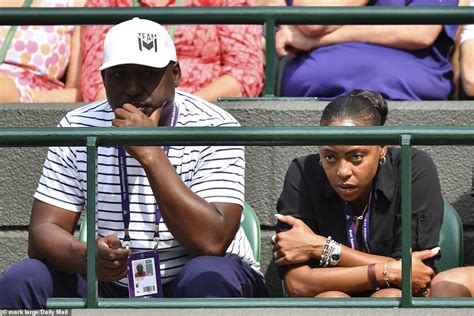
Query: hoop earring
<point>382,161</point>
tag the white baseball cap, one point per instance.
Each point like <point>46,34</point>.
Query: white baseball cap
<point>138,41</point>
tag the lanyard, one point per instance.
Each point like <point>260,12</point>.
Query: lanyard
<point>125,201</point>
<point>350,227</point>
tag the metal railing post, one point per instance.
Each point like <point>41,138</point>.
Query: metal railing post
<point>91,301</point>
<point>270,55</point>
<point>407,299</point>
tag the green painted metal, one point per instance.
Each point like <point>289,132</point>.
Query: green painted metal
<point>274,302</point>
<point>270,60</point>
<point>406,136</point>
<point>271,136</point>
<point>406,221</point>
<point>242,15</point>
<point>91,222</point>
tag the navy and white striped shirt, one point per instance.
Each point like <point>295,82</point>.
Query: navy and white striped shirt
<point>214,173</point>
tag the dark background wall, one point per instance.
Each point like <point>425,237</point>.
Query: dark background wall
<point>266,166</point>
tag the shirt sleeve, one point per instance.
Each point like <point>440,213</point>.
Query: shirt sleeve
<point>59,184</point>
<point>242,53</point>
<point>294,200</point>
<point>427,206</point>
<point>219,174</point>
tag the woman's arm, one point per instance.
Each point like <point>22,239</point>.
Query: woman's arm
<point>305,281</point>
<point>224,86</point>
<point>409,37</point>
<point>467,66</point>
<point>300,244</point>
<point>318,30</point>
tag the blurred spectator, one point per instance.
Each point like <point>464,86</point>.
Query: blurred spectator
<point>402,62</point>
<point>37,59</point>
<point>467,58</point>
<point>216,60</point>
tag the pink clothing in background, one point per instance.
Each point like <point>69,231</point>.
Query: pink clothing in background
<point>205,52</point>
<point>38,55</point>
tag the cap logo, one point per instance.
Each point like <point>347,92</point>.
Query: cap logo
<point>148,41</point>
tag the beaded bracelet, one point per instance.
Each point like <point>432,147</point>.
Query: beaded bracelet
<point>324,260</point>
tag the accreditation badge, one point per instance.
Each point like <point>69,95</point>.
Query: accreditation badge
<point>144,279</point>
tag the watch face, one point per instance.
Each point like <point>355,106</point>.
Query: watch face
<point>335,257</point>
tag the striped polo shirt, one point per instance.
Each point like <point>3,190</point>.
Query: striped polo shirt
<point>215,173</point>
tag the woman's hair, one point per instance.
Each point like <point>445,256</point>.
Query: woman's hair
<point>360,106</point>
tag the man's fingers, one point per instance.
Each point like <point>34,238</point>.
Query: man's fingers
<point>155,116</point>
<point>113,242</point>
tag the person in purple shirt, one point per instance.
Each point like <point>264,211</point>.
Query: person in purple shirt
<point>402,62</point>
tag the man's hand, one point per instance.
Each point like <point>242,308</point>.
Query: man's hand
<point>131,116</point>
<point>111,259</point>
<point>297,245</point>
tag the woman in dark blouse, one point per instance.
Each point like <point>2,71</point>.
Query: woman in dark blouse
<point>339,221</point>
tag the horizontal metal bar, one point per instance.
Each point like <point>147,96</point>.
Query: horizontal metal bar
<point>242,15</point>
<point>58,303</point>
<point>247,303</point>
<point>292,136</point>
<point>444,302</point>
<point>276,302</point>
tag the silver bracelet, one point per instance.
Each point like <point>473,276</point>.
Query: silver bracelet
<point>324,260</point>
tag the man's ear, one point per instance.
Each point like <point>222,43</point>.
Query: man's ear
<point>176,74</point>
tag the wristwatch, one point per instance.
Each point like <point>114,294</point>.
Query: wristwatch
<point>335,255</point>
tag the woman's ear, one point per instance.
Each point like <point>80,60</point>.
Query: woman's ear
<point>383,151</point>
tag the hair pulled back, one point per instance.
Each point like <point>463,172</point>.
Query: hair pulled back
<point>365,108</point>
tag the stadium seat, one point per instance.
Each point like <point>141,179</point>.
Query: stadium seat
<point>450,240</point>
<point>249,223</point>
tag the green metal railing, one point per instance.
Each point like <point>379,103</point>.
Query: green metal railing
<point>268,16</point>
<point>405,136</point>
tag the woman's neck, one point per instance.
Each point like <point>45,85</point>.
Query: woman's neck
<point>360,204</point>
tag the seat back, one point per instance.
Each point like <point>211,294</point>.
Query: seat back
<point>249,223</point>
<point>251,227</point>
<point>450,240</point>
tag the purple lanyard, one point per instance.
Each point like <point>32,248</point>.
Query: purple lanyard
<point>124,188</point>
<point>350,227</point>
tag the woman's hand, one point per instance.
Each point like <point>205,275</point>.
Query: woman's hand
<point>297,245</point>
<point>289,40</point>
<point>421,273</point>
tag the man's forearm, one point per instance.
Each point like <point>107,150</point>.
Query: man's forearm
<point>195,223</point>
<point>53,245</point>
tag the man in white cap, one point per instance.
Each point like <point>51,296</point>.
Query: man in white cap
<point>174,210</point>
